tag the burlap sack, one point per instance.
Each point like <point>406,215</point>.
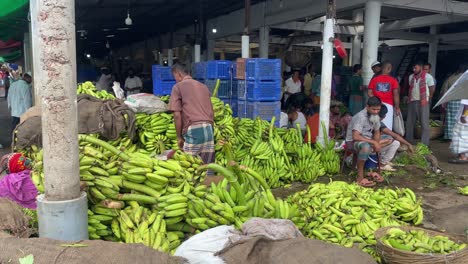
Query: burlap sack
<point>12,220</point>
<point>292,251</point>
<point>48,251</point>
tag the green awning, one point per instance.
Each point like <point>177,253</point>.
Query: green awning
<point>13,19</point>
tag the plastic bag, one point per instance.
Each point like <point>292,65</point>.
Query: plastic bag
<point>200,248</point>
<point>398,125</point>
<point>118,91</point>
<point>146,103</point>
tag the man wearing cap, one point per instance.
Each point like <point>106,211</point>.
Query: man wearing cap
<point>386,88</point>
<point>20,98</point>
<point>376,67</point>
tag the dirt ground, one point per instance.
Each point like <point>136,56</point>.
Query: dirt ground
<point>444,208</point>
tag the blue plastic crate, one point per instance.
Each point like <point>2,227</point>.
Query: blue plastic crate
<point>234,69</point>
<point>163,73</point>
<point>242,109</point>
<point>218,69</point>
<point>263,69</point>
<point>241,92</point>
<point>264,110</point>
<point>264,91</point>
<point>224,90</point>
<point>162,87</point>
<point>199,70</point>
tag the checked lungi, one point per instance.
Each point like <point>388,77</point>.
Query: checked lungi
<point>459,143</point>
<point>199,140</point>
<point>451,118</point>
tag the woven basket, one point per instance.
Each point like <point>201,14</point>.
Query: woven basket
<point>435,132</point>
<point>395,256</point>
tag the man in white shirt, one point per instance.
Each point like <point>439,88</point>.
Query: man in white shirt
<point>421,91</point>
<point>133,83</point>
<point>293,85</point>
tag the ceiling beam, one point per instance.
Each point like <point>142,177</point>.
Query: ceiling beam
<point>408,36</point>
<point>422,21</point>
<point>436,6</point>
<point>315,26</point>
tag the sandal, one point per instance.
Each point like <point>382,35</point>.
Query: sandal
<point>458,161</point>
<point>375,176</point>
<point>366,183</point>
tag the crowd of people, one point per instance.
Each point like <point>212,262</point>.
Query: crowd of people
<point>369,128</point>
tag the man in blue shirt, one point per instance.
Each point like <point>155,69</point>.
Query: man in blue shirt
<point>20,98</point>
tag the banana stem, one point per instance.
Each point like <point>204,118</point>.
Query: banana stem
<point>301,139</point>
<point>257,176</point>
<point>215,91</point>
<point>230,176</point>
<point>104,145</point>
<point>272,123</point>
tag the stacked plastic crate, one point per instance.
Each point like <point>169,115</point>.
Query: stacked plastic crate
<point>163,80</point>
<point>259,94</point>
<point>199,71</point>
<point>221,70</point>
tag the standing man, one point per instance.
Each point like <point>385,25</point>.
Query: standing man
<point>459,145</point>
<point>20,98</point>
<point>451,108</point>
<point>385,87</point>
<point>133,83</point>
<point>193,116</point>
<point>363,135</point>
<point>376,67</point>
<point>105,80</point>
<point>293,85</point>
<point>421,91</point>
<point>356,87</point>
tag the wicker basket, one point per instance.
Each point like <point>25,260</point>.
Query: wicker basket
<point>435,132</point>
<point>395,256</point>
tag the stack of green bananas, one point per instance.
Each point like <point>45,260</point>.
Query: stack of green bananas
<point>307,166</point>
<point>89,88</point>
<point>329,158</point>
<point>345,214</point>
<point>165,98</point>
<point>156,132</point>
<point>138,224</point>
<point>420,242</point>
<point>463,190</point>
<point>99,223</point>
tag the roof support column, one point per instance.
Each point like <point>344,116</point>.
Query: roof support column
<point>170,57</point>
<point>210,49</point>
<point>358,16</point>
<point>327,70</point>
<point>433,48</point>
<point>197,51</point>
<point>245,36</point>
<point>371,38</point>
<point>264,42</point>
<point>62,211</point>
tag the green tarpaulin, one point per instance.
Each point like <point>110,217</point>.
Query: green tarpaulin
<point>13,19</point>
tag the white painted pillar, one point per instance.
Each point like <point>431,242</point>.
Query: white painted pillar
<point>54,52</point>
<point>326,81</point>
<point>433,48</point>
<point>245,46</point>
<point>210,49</point>
<point>170,57</point>
<point>161,57</point>
<point>197,51</point>
<point>358,16</point>
<point>264,42</point>
<point>371,38</point>
<point>288,68</point>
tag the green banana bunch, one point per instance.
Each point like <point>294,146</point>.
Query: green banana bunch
<point>463,190</point>
<point>345,214</point>
<point>89,88</point>
<point>420,242</point>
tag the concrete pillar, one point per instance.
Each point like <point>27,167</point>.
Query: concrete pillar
<point>161,57</point>
<point>358,16</point>
<point>371,38</point>
<point>197,53</point>
<point>210,49</point>
<point>326,81</point>
<point>245,46</point>
<point>54,53</point>
<point>264,42</point>
<point>170,57</point>
<point>433,47</point>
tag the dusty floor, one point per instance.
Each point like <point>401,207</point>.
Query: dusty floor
<point>445,209</point>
